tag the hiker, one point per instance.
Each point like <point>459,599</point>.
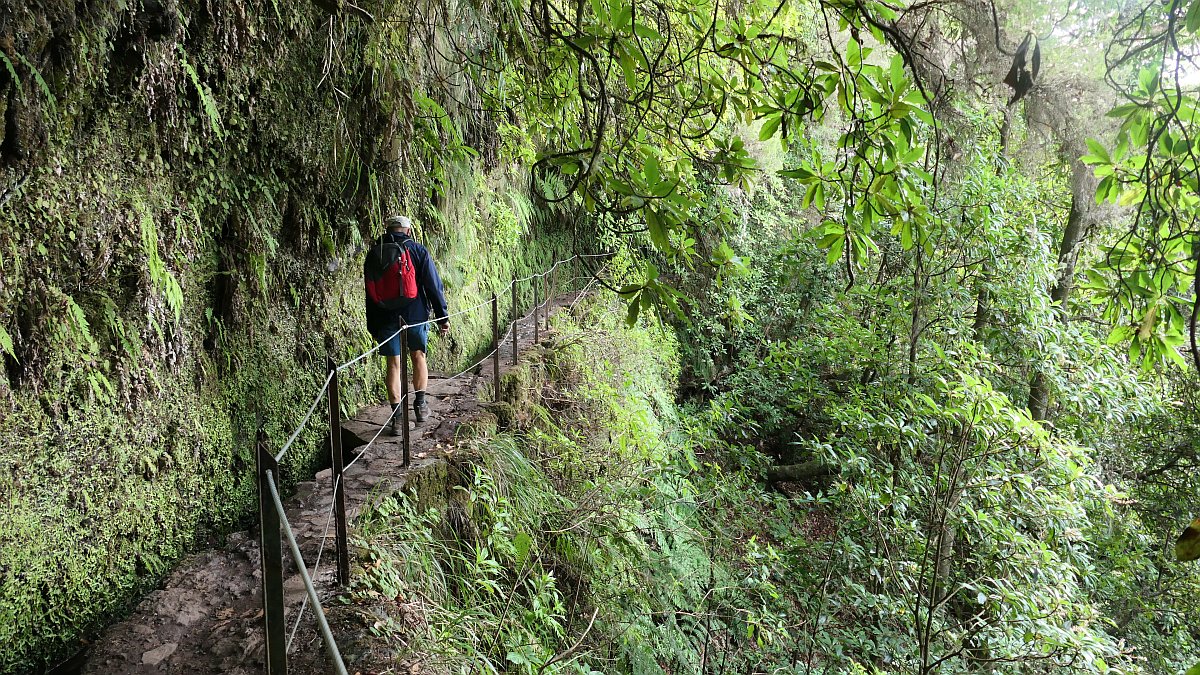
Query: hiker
<point>402,283</point>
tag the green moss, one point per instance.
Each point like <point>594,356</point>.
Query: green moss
<point>479,427</point>
<point>179,257</point>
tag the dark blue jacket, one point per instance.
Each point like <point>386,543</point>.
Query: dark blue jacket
<point>429,289</point>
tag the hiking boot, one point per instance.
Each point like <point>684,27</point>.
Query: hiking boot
<point>397,423</point>
<point>421,410</point>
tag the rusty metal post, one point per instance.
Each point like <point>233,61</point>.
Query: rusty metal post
<point>515,316</point>
<point>496,345</point>
<point>341,530</point>
<point>404,389</point>
<point>270,547</point>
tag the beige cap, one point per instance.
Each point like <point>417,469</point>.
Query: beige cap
<point>398,223</point>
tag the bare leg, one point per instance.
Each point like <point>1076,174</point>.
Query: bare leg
<point>393,379</point>
<point>420,370</point>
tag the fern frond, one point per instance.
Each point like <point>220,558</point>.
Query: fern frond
<point>207,100</point>
<point>41,82</point>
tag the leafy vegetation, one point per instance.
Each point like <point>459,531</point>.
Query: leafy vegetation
<point>927,405</point>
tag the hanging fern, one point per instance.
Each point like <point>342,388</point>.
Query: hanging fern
<point>207,100</point>
<point>12,70</point>
<point>37,77</point>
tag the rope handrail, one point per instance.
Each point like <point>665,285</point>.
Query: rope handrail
<point>316,566</point>
<point>363,450</point>
<point>311,409</point>
<point>324,388</point>
<point>327,634</point>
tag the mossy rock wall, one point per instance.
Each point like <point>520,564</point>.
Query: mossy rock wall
<point>186,189</point>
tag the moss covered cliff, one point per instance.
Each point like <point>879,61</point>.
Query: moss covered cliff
<point>185,191</point>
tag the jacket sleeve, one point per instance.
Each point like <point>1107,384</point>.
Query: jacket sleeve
<point>428,277</point>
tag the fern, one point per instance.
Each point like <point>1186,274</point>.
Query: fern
<point>523,207</point>
<point>37,77</point>
<point>207,100</point>
<point>79,319</point>
<point>12,70</point>
<point>160,276</point>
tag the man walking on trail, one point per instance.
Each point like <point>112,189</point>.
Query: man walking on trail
<point>407,303</point>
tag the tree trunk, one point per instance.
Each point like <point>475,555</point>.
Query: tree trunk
<point>983,294</point>
<point>1068,255</point>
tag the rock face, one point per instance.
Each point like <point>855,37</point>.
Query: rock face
<point>185,189</point>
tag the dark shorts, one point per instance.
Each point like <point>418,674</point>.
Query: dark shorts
<point>418,338</point>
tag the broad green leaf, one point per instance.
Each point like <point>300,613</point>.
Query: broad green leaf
<point>651,170</point>
<point>770,126</point>
<point>657,230</point>
<point>1125,110</point>
<point>1187,547</point>
<point>627,66</point>
<point>1098,150</point>
<point>635,306</point>
<point>1191,20</point>
<point>643,31</point>
<point>810,195</point>
<point>799,173</point>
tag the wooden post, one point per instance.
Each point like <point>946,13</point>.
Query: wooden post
<point>515,315</point>
<point>536,336</point>
<point>404,389</point>
<point>496,345</point>
<point>339,485</point>
<point>270,548</point>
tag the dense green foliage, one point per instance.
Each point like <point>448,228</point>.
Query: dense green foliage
<point>909,435</point>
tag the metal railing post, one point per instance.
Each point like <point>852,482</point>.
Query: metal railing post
<point>270,547</point>
<point>339,483</point>
<point>546,301</point>
<point>404,389</point>
<point>536,306</point>
<point>496,345</point>
<point>553,293</point>
<point>515,316</point>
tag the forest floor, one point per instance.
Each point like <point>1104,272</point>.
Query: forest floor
<point>206,617</point>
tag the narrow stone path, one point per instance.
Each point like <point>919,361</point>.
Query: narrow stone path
<point>207,616</point>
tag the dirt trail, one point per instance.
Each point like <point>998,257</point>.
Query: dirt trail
<point>206,617</point>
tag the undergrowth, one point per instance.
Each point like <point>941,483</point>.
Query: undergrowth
<point>583,542</point>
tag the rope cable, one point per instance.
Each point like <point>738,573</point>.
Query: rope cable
<point>330,643</point>
<point>311,409</point>
<point>460,312</point>
<point>316,566</point>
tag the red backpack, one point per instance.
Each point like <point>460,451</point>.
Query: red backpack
<point>390,275</point>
